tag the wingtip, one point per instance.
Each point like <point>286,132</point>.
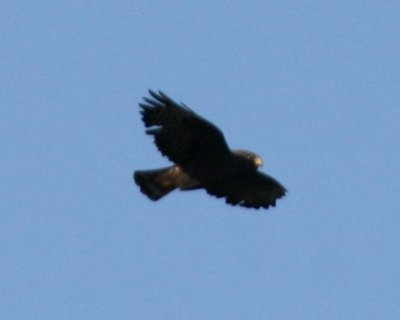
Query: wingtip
<point>159,95</point>
<point>144,106</point>
<point>162,94</point>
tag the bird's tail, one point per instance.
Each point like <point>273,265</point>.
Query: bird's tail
<point>155,183</point>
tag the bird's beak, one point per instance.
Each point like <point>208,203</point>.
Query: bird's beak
<point>258,161</point>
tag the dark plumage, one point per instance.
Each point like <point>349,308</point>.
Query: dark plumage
<point>202,158</point>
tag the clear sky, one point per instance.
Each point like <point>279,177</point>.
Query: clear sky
<point>311,86</point>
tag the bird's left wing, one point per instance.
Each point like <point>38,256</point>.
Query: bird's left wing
<point>256,190</point>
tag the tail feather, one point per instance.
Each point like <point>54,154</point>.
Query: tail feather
<point>155,183</point>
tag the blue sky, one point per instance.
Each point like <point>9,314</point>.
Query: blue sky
<point>313,87</point>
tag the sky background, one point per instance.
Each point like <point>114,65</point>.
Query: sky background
<point>311,86</point>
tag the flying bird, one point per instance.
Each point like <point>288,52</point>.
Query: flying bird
<point>202,158</point>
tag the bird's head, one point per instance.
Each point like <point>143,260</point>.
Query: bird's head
<point>253,158</point>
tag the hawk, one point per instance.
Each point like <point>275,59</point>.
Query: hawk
<point>202,158</point>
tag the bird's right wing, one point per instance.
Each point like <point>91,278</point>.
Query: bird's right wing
<point>179,133</point>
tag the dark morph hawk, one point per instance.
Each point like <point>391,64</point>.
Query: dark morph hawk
<point>202,158</point>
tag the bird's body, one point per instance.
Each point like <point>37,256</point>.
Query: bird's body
<point>202,158</point>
